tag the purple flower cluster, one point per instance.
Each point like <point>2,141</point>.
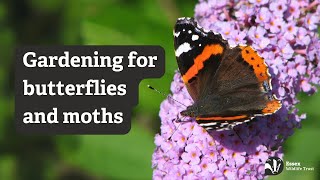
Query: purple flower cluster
<point>285,34</point>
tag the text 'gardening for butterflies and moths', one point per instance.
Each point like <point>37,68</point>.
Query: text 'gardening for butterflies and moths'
<point>81,89</point>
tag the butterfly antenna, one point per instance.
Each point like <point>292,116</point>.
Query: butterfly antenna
<point>166,95</point>
<point>178,119</point>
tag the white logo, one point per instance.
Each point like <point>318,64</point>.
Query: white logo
<point>273,166</point>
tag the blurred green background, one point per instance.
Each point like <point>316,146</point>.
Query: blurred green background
<point>107,22</point>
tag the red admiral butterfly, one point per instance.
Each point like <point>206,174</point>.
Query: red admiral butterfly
<point>229,85</point>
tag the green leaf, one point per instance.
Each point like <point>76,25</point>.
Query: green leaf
<point>7,167</point>
<point>96,34</point>
<point>114,156</point>
<point>310,105</point>
<point>46,6</point>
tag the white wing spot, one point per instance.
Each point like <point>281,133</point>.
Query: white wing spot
<point>176,34</point>
<point>209,124</point>
<point>185,47</point>
<point>194,37</point>
<point>224,124</point>
<point>237,123</point>
<point>222,129</point>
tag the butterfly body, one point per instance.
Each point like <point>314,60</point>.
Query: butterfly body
<point>229,85</point>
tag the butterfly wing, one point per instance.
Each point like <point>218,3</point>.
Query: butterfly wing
<point>239,91</point>
<point>229,86</point>
<point>198,54</point>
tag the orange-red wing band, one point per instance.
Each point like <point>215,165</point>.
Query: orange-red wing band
<point>271,107</point>
<point>219,118</point>
<point>209,50</point>
<point>258,64</point>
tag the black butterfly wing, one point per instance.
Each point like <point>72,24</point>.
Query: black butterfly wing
<point>198,54</point>
<point>239,91</point>
<point>229,86</point>
<point>243,75</point>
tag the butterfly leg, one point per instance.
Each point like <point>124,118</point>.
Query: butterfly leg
<point>177,120</point>
<point>180,121</point>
